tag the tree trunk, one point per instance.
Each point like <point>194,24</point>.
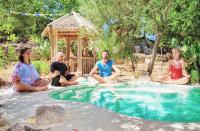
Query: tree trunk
<point>132,65</point>
<point>154,53</point>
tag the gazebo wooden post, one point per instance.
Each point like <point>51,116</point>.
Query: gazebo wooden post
<point>68,45</point>
<point>53,41</point>
<point>51,37</point>
<point>79,54</point>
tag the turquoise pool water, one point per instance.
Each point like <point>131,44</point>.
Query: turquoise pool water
<point>150,101</point>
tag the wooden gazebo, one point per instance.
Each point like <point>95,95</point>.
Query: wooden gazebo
<point>72,28</point>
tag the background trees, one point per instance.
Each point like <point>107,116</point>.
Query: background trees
<point>175,23</point>
<point>122,22</point>
<point>22,19</point>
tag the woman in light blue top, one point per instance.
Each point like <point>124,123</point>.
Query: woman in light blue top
<point>105,67</point>
<point>25,77</point>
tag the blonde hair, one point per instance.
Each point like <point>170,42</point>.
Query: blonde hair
<point>177,49</point>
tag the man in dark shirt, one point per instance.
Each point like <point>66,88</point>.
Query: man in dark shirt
<point>60,74</point>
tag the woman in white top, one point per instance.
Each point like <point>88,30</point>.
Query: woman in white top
<point>25,77</point>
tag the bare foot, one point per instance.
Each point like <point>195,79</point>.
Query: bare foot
<point>74,83</point>
<point>41,88</point>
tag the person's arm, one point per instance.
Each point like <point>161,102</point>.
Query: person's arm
<point>65,82</point>
<point>53,71</point>
<point>183,70</point>
<point>116,70</point>
<point>168,72</point>
<point>16,77</point>
<point>93,70</point>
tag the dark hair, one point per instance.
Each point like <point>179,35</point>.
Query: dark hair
<point>106,52</point>
<point>22,51</point>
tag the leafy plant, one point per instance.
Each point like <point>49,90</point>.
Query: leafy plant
<point>42,51</point>
<point>191,54</point>
<point>194,77</point>
<point>7,55</point>
<point>16,24</point>
<point>61,46</point>
<point>42,67</point>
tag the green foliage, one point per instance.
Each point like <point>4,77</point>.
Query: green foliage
<point>191,53</point>
<point>125,24</point>
<point>12,38</point>
<point>42,51</point>
<point>195,77</point>
<point>42,67</point>
<point>183,31</point>
<point>7,55</point>
<point>1,57</point>
<point>183,23</point>
<point>61,46</point>
<point>110,44</point>
<point>177,22</point>
<point>23,26</point>
<point>11,56</point>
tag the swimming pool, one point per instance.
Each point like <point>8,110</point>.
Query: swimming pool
<point>147,100</point>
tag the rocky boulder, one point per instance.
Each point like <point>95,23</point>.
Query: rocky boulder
<point>46,115</point>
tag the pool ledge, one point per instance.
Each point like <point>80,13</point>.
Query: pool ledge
<point>82,116</point>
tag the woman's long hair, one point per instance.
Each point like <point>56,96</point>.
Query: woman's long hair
<point>21,57</point>
<point>178,50</point>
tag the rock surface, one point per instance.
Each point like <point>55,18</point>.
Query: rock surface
<point>50,115</point>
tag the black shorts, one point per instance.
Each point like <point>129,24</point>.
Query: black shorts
<point>69,77</point>
<point>55,80</point>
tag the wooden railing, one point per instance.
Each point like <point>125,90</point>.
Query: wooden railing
<point>87,64</point>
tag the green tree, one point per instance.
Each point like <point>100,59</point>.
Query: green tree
<point>122,17</point>
<point>183,30</point>
<point>16,18</point>
<point>156,16</point>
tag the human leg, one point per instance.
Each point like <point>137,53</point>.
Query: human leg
<point>181,81</point>
<point>114,76</point>
<point>99,78</point>
<point>71,77</point>
<point>41,83</point>
<point>68,80</point>
<point>164,77</point>
<point>22,87</point>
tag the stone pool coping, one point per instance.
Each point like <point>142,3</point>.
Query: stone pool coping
<point>19,107</point>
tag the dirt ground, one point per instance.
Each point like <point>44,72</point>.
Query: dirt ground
<point>5,74</point>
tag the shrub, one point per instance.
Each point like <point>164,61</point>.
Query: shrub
<point>42,67</point>
<point>42,51</point>
<point>191,54</point>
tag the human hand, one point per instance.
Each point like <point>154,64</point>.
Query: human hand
<point>16,78</point>
<point>56,73</point>
<point>90,75</point>
<point>187,76</point>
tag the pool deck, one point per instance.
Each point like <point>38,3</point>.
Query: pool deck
<point>19,107</point>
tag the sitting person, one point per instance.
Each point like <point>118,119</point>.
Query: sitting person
<point>60,74</point>
<point>105,67</point>
<point>25,76</point>
<point>176,73</point>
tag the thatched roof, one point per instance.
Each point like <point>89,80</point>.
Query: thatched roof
<point>72,21</point>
